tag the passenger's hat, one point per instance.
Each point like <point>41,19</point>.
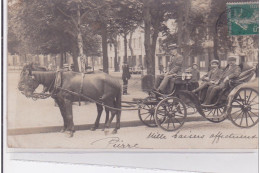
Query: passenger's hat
<point>231,58</point>
<point>214,61</point>
<point>195,64</point>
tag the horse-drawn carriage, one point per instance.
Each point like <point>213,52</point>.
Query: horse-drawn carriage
<point>239,102</point>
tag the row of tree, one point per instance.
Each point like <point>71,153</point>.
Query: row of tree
<point>85,27</point>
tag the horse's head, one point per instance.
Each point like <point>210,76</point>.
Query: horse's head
<point>27,83</point>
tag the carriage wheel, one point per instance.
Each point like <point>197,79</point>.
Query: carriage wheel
<point>170,114</point>
<point>245,108</point>
<point>146,114</point>
<point>213,114</point>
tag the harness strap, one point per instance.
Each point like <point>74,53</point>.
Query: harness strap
<point>81,86</point>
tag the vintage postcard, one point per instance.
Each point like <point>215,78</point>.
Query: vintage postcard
<point>132,75</point>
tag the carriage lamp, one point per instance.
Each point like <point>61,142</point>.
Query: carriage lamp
<point>187,75</point>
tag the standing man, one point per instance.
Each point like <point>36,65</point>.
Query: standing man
<point>125,77</point>
<point>232,71</point>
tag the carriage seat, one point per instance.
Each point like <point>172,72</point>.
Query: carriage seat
<point>245,76</point>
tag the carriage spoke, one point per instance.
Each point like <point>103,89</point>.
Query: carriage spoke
<point>253,99</point>
<point>147,117</point>
<point>253,113</point>
<point>172,123</point>
<point>245,95</point>
<point>240,96</point>
<point>250,117</point>
<point>236,111</point>
<point>168,123</point>
<point>221,111</point>
<point>210,112</point>
<point>246,119</point>
<point>237,116</point>
<point>242,118</point>
<point>177,120</point>
<point>144,113</point>
<point>249,96</point>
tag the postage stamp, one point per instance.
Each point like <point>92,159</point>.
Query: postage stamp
<point>243,18</point>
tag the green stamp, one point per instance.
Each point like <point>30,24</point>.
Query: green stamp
<point>243,18</point>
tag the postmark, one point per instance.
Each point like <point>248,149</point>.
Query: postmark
<point>243,18</point>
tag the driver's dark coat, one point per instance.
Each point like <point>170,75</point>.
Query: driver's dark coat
<point>175,65</point>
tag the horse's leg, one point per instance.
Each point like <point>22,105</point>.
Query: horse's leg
<point>63,113</point>
<point>118,115</point>
<point>99,110</point>
<point>69,117</point>
<point>107,117</point>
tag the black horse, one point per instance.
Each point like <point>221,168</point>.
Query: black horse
<point>100,87</point>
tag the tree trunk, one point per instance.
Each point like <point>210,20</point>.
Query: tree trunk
<point>153,48</point>
<point>75,58</point>
<point>104,48</point>
<point>81,59</point>
<point>147,37</point>
<point>116,65</point>
<point>130,46</point>
<point>125,47</point>
<point>215,46</point>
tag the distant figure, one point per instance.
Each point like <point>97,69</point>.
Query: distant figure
<point>50,67</point>
<point>72,68</point>
<point>125,77</point>
<point>161,68</point>
<point>195,73</point>
<point>66,67</point>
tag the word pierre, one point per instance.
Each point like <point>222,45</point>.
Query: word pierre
<point>115,142</point>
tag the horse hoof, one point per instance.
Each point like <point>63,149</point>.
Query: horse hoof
<point>93,128</point>
<point>114,131</point>
<point>62,130</point>
<point>106,132</point>
<point>69,134</point>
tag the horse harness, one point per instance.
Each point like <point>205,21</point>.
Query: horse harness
<point>81,87</point>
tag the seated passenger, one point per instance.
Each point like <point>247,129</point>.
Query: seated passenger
<point>211,77</point>
<point>161,81</point>
<point>232,71</point>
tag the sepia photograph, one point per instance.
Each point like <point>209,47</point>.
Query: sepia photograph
<point>132,75</point>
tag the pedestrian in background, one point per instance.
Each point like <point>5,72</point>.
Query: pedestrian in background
<point>195,75</point>
<point>125,77</point>
<point>161,68</point>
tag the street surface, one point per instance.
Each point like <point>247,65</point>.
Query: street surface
<point>36,124</point>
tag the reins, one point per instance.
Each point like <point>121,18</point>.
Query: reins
<point>36,96</point>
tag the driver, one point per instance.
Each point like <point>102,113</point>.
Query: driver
<point>175,66</point>
<point>232,71</point>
